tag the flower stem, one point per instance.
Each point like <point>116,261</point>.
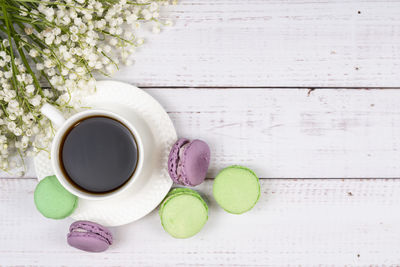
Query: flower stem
<point>23,58</point>
<point>7,22</point>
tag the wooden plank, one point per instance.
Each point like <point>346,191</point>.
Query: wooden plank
<point>284,133</point>
<point>293,133</point>
<point>296,222</point>
<point>273,43</point>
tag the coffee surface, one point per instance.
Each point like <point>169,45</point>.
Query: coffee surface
<point>98,154</point>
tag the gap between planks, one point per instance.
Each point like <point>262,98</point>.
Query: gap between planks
<point>281,43</point>
<point>261,178</point>
<point>303,133</point>
<point>298,222</point>
<point>266,87</point>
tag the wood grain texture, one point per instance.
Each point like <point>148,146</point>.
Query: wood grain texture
<point>281,133</point>
<point>273,43</point>
<point>293,133</point>
<point>296,222</point>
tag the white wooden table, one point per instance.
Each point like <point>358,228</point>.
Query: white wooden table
<point>241,75</point>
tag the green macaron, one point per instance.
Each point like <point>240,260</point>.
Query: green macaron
<point>53,200</point>
<point>183,213</point>
<point>236,189</point>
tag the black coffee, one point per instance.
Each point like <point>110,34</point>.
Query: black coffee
<point>98,154</point>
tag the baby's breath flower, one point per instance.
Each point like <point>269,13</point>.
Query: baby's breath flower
<point>23,11</point>
<point>33,53</point>
<point>39,66</point>
<point>64,43</point>
<point>140,41</point>
<point>28,30</point>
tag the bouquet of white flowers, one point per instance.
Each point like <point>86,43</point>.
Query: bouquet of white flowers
<point>51,49</point>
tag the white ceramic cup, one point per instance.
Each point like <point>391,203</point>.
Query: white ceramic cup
<point>64,125</point>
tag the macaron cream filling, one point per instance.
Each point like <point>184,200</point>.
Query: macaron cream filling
<point>91,234</point>
<point>92,229</point>
<point>80,230</point>
<point>188,162</point>
<point>179,169</point>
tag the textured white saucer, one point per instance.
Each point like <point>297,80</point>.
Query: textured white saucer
<point>134,203</point>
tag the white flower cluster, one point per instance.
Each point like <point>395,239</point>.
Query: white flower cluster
<point>65,44</point>
<point>20,120</point>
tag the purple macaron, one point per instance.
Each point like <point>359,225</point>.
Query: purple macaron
<point>188,162</point>
<point>89,236</point>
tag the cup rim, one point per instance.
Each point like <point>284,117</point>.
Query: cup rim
<point>56,144</point>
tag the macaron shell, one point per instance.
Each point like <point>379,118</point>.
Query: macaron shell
<point>195,163</point>
<point>184,215</point>
<point>236,189</point>
<point>173,158</point>
<point>92,227</point>
<point>52,200</point>
<point>89,242</point>
<point>180,191</point>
